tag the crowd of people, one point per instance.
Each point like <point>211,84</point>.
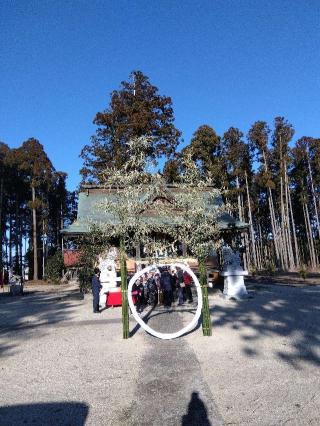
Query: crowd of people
<point>163,286</point>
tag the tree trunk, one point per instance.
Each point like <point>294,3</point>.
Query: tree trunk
<point>258,250</point>
<point>246,256</point>
<point>1,203</point>
<point>275,232</point>
<point>20,248</point>
<point>314,198</point>
<point>314,254</point>
<point>61,226</point>
<point>10,240</point>
<point>273,218</point>
<point>296,246</point>
<point>253,243</point>
<point>307,233</point>
<point>289,238</point>
<point>16,237</point>
<point>34,235</point>
<point>309,236</point>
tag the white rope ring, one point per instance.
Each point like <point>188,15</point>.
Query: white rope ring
<point>184,330</point>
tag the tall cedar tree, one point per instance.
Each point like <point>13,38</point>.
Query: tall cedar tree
<point>38,168</point>
<point>236,153</point>
<point>173,169</point>
<point>4,150</point>
<point>55,206</point>
<point>206,152</point>
<point>136,110</point>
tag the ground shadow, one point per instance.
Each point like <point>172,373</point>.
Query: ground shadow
<point>154,312</point>
<point>288,278</point>
<point>197,414</point>
<point>144,318</point>
<point>43,414</point>
<point>21,316</point>
<point>289,312</point>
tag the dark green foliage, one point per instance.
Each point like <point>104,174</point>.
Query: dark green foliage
<point>236,153</point>
<point>54,267</point>
<point>85,277</point>
<point>206,151</point>
<point>172,169</point>
<point>24,172</point>
<point>136,110</point>
<point>90,247</point>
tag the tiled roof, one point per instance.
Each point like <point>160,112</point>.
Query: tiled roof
<point>90,211</point>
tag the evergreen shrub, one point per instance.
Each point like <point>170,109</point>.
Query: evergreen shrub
<point>54,267</point>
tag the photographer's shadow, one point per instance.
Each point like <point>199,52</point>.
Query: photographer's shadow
<point>197,414</point>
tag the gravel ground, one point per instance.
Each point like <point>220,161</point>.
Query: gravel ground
<point>262,361</point>
<point>62,365</point>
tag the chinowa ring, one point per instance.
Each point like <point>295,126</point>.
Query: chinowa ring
<point>184,330</point>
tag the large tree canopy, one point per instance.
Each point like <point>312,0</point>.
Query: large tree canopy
<point>136,110</point>
<point>30,184</point>
<point>206,151</point>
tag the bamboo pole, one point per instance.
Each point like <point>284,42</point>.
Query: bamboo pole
<point>206,321</point>
<point>124,291</point>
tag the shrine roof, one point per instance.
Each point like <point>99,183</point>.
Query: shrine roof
<point>91,212</point>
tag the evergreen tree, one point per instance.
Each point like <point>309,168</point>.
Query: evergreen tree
<point>38,169</point>
<point>206,151</point>
<point>136,110</point>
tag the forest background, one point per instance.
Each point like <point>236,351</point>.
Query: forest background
<point>271,179</point>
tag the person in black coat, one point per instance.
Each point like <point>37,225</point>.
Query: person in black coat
<point>138,289</point>
<point>96,287</point>
<point>166,286</point>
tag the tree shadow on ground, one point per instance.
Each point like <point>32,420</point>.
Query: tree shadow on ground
<point>276,311</point>
<point>197,414</point>
<point>287,278</point>
<point>21,316</point>
<point>42,414</point>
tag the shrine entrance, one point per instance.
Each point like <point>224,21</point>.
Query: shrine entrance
<point>146,327</point>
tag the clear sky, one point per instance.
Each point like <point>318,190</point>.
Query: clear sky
<point>224,63</point>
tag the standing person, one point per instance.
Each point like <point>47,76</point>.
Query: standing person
<point>157,281</point>
<point>152,290</point>
<point>174,284</point>
<point>181,287</point>
<point>188,282</point>
<point>166,286</point>
<point>137,288</point>
<point>96,287</point>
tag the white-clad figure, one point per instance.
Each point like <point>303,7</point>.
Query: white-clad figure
<point>108,278</point>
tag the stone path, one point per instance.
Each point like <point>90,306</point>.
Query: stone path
<point>171,389</point>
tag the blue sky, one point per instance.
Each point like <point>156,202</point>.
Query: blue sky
<point>224,63</point>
